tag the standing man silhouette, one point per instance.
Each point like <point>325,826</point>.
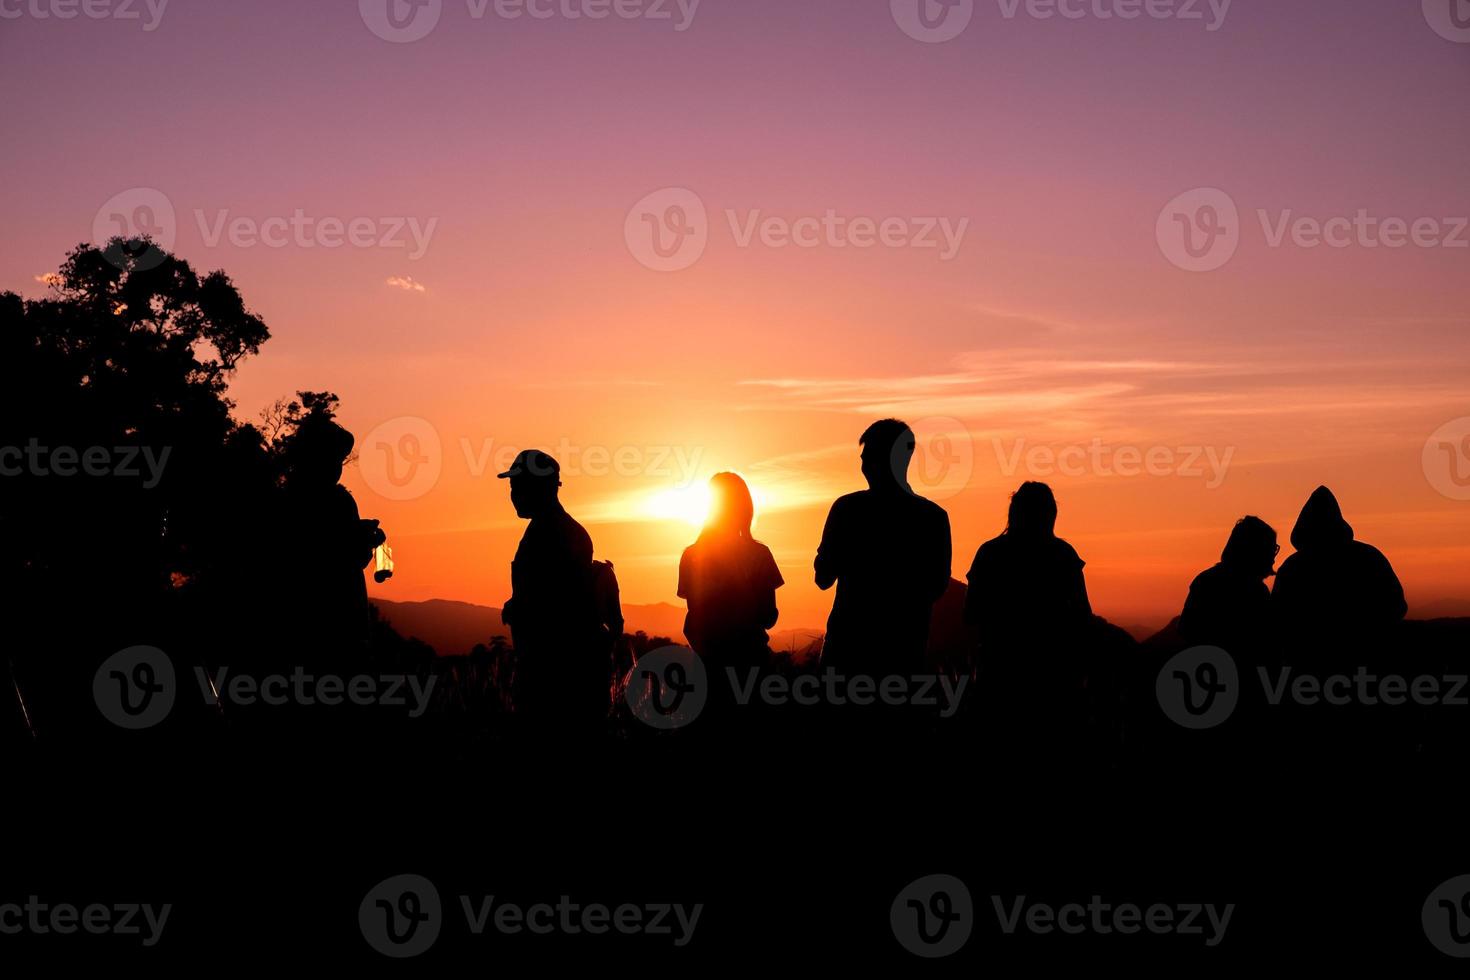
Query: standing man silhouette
<point>561,646</point>
<point>888,552</point>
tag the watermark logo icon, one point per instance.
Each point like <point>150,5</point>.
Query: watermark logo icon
<point>1199,230</point>
<point>667,688</point>
<point>1450,19</point>
<point>944,458</point>
<point>1446,917</point>
<point>135,214</point>
<point>933,916</point>
<point>1447,459</point>
<point>1198,688</point>
<point>401,916</point>
<point>135,688</point>
<point>932,21</point>
<point>402,458</point>
<point>400,21</point>
<point>668,230</point>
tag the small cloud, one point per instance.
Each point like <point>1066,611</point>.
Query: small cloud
<point>52,279</point>
<point>407,284</point>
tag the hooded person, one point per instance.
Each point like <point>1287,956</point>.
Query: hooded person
<point>1334,585</point>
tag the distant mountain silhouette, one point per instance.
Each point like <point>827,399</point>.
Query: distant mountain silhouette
<point>453,628</point>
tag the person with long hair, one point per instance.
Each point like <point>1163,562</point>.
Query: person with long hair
<point>1027,583</point>
<point>729,580</point>
<point>1038,665</point>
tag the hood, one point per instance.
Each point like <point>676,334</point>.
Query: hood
<point>1321,523</point>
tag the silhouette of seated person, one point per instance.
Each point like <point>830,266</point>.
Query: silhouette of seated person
<point>562,648</point>
<point>1229,605</point>
<point>1334,588</point>
<point>1027,599</point>
<point>327,545</point>
<point>888,552</point>
<point>729,581</point>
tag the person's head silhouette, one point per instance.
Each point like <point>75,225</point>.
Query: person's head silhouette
<point>888,448</point>
<point>1252,548</point>
<point>731,510</point>
<point>534,480</point>
<point>1033,511</point>
<point>316,453</point>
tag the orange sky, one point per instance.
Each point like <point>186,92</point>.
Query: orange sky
<point>1061,319</point>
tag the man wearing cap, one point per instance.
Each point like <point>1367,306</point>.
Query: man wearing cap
<point>561,651</point>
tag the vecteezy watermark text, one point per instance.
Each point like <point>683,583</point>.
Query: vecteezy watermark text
<point>934,916</point>
<point>136,688</point>
<point>830,687</point>
<point>1201,230</point>
<point>34,459</point>
<point>1200,687</point>
<point>669,230</point>
<point>936,21</point>
<point>668,688</point>
<point>40,918</point>
<point>329,690</point>
<point>305,231</point>
<point>1097,458</point>
<point>404,457</point>
<point>403,916</point>
<point>1103,918</point>
<point>405,21</point>
<point>90,9</point>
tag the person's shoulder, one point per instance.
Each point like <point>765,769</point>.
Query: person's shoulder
<point>1369,553</point>
<point>993,548</point>
<point>930,508</point>
<point>848,504</point>
<point>342,498</point>
<point>573,530</point>
<point>1207,577</point>
<point>761,552</point>
<point>1066,552</point>
<point>995,544</point>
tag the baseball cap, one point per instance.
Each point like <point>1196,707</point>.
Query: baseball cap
<point>532,463</point>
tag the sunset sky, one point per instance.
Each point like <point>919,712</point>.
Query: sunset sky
<point>529,153</point>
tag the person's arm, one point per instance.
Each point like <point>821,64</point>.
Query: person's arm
<point>943,559</point>
<point>975,590</point>
<point>1078,593</point>
<point>773,581</point>
<point>1191,618</point>
<point>1395,606</point>
<point>828,564</point>
<point>684,574</point>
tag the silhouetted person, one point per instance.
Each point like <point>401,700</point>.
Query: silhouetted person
<point>326,548</point>
<point>1027,583</point>
<point>888,552</point>
<point>729,580</point>
<point>1334,586</point>
<point>1028,600</point>
<point>562,645</point>
<point>1229,605</point>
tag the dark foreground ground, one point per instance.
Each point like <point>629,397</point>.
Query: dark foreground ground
<point>815,845</point>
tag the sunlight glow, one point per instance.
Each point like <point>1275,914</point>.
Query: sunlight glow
<point>688,504</point>
<point>691,504</point>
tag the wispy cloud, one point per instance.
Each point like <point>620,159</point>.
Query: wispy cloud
<point>1335,396</point>
<point>406,283</point>
<point>48,279</point>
